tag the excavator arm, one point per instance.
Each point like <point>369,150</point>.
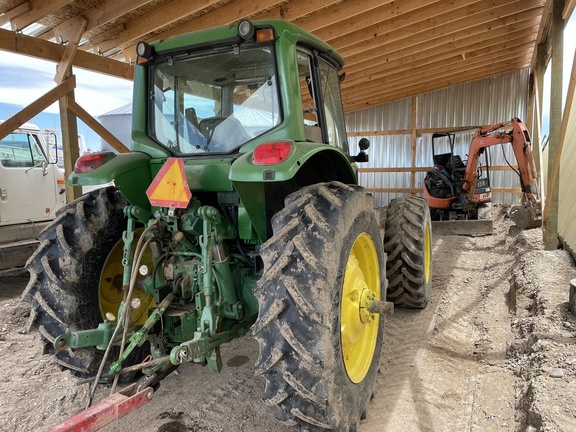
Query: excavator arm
<point>529,213</point>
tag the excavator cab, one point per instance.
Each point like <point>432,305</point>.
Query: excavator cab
<point>446,179</point>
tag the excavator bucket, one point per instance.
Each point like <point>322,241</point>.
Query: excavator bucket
<point>524,216</point>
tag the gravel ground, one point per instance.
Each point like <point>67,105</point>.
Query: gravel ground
<point>495,350</point>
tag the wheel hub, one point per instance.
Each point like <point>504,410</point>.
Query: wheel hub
<point>111,292</point>
<point>366,298</point>
<point>358,325</point>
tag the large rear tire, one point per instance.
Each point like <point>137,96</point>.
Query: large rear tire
<point>408,244</point>
<point>68,286</point>
<point>319,346</point>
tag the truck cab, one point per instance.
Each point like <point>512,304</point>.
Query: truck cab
<point>31,192</point>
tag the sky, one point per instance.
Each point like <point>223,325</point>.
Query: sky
<point>24,79</point>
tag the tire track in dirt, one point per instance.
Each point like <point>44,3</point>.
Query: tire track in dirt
<point>442,368</point>
<point>195,399</point>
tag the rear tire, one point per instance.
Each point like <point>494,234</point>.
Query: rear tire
<point>319,357</point>
<point>408,244</point>
<point>65,273</point>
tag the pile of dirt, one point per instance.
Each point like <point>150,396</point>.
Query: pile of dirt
<point>543,355</point>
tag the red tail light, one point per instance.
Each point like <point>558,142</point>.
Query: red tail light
<point>91,161</point>
<point>272,153</point>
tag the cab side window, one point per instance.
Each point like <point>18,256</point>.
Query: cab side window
<point>20,150</point>
<point>321,100</point>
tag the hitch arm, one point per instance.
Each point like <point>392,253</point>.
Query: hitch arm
<point>107,410</point>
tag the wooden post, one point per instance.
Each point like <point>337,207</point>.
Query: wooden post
<point>69,143</point>
<point>68,121</point>
<point>538,97</point>
<point>557,34</point>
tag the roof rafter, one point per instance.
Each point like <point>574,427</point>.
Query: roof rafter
<point>38,10</point>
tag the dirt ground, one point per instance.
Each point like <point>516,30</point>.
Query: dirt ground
<point>494,351</point>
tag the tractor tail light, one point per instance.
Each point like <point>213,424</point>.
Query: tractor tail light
<point>91,161</point>
<point>272,153</point>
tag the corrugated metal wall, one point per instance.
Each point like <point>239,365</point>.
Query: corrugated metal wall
<point>567,192</point>
<point>481,103</point>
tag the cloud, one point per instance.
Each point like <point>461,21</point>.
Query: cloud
<point>24,79</point>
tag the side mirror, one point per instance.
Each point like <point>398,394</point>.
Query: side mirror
<point>364,144</point>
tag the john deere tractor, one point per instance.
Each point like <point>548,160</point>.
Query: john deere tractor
<point>238,211</point>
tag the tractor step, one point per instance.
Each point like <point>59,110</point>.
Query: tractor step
<point>107,410</point>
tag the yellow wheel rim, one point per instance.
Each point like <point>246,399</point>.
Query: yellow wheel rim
<point>110,293</point>
<point>358,327</point>
<point>427,253</point>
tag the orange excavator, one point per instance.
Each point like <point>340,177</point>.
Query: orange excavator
<point>458,190</point>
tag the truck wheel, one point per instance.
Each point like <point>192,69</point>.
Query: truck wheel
<point>76,274</point>
<point>319,345</point>
<point>408,245</point>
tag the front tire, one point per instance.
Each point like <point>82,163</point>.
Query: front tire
<point>319,347</point>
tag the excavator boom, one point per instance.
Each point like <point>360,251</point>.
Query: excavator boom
<point>467,201</point>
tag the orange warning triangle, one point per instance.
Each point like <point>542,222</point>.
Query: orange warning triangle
<point>170,187</point>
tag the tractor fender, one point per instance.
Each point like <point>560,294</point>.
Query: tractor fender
<point>130,173</point>
<point>245,170</point>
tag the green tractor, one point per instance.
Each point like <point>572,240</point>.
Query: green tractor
<point>237,211</point>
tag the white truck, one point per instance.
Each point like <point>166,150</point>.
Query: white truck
<point>32,189</point>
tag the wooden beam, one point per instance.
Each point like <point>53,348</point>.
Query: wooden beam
<point>458,42</point>
<point>467,41</point>
<point>419,132</point>
<point>420,169</point>
<point>15,12</point>
<point>384,21</point>
<point>238,9</point>
<point>543,29</point>
<point>38,9</point>
<point>74,35</point>
<point>343,13</point>
<point>568,9</point>
<point>432,72</point>
<point>394,170</point>
<point>154,20</point>
<point>13,42</point>
<point>109,10</point>
<point>550,215</point>
<point>420,190</point>
<point>394,190</point>
<point>511,43</point>
<point>93,124</point>
<point>435,75</point>
<point>37,106</point>
<point>412,33</point>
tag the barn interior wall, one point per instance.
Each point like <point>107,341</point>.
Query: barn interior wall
<point>484,102</point>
